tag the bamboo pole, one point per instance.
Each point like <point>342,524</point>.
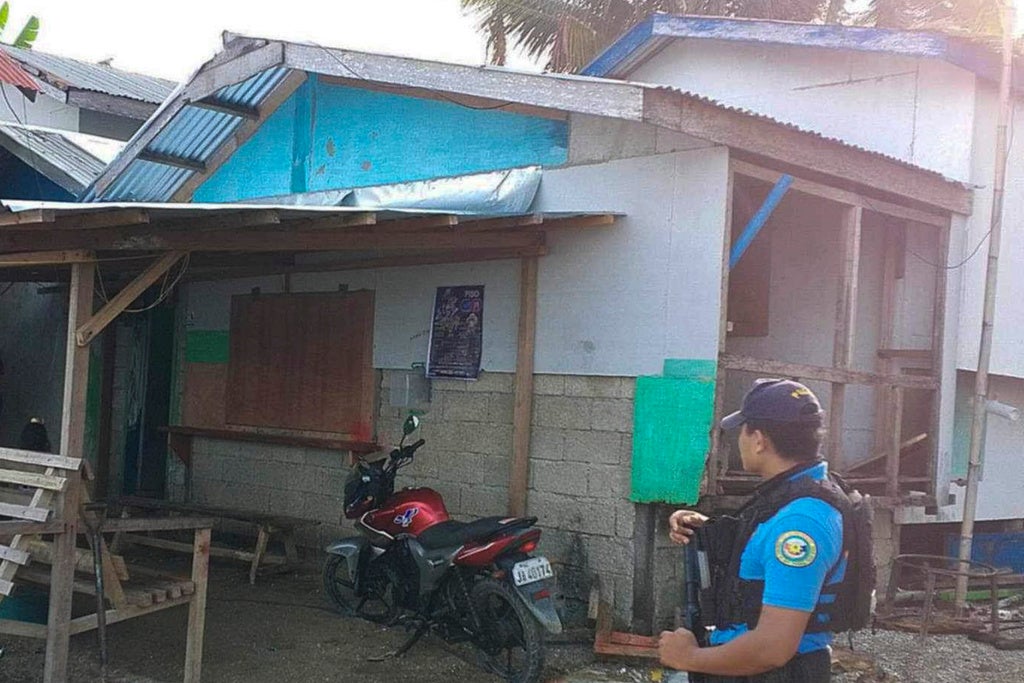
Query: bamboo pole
<point>988,311</point>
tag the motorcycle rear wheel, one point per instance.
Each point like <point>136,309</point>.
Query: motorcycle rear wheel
<point>339,584</point>
<point>511,643</point>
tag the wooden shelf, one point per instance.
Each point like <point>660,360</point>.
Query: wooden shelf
<point>180,440</point>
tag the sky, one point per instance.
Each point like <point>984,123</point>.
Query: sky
<point>173,38</point>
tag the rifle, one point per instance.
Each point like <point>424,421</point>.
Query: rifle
<point>697,577</point>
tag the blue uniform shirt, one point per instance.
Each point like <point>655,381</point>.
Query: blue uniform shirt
<point>796,552</point>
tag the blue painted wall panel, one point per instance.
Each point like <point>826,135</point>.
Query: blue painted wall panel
<point>330,136</point>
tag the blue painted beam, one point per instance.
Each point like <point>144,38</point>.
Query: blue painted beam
<point>759,219</point>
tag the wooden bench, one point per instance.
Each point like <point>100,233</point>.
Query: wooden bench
<point>268,527</point>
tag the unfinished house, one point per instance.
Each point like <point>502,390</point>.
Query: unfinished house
<point>643,250</point>
<point>928,99</point>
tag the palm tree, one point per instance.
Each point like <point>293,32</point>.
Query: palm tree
<point>572,32</point>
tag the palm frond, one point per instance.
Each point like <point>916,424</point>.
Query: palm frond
<point>28,34</point>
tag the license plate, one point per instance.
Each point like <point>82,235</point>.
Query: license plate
<point>533,569</point>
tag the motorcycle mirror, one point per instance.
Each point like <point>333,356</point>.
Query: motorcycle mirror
<point>411,424</point>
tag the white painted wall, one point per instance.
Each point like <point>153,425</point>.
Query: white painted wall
<point>611,301</point>
<point>917,110</point>
<point>45,111</point>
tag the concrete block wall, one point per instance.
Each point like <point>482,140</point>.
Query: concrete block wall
<point>579,469</point>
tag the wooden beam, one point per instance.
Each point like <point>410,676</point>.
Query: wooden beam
<point>329,221</point>
<point>46,258</point>
<point>171,160</point>
<point>104,218</point>
<point>714,458</point>
<point>210,79</point>
<point>419,223</point>
<point>892,460</point>
<point>130,524</point>
<point>835,375</point>
<point>519,471</point>
<point>26,218</point>
<point>845,334</point>
<point>938,349</point>
<point>764,137</point>
<point>397,261</point>
<point>111,104</point>
<point>197,606</point>
<point>72,437</point>
<point>213,104</point>
<point>41,481</point>
<point>884,364</point>
<point>232,220</point>
<point>838,195</point>
<point>88,330</point>
<point>281,94</point>
<point>9,528</point>
<point>281,240</point>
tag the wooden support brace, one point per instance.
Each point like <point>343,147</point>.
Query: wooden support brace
<point>197,606</point>
<point>86,332</point>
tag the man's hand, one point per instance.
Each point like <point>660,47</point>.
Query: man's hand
<point>676,649</point>
<point>682,523</point>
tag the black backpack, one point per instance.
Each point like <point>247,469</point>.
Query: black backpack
<point>856,595</point>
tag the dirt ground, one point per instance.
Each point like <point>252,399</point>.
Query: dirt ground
<point>279,631</point>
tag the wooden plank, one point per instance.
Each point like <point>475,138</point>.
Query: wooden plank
<point>210,79</point>
<point>102,218</point>
<point>88,622</point>
<point>803,371</point>
<point>157,524</point>
<point>939,350</point>
<point>328,221</point>
<point>177,546</point>
<point>197,607</point>
<point>46,258</point>
<point>245,131</point>
<point>714,458</point>
<point>41,481</point>
<point>88,330</point>
<point>904,446</point>
<point>171,160</point>
<point>442,257</point>
<point>60,462</point>
<point>921,355</point>
<point>242,112</point>
<point>892,460</point>
<point>16,556</point>
<point>764,138</point>
<point>28,217</point>
<point>22,629</point>
<point>24,512</point>
<point>835,194</point>
<point>72,431</point>
<point>6,587</point>
<point>519,471</point>
<point>845,332</point>
<point>45,553</point>
<point>277,239</point>
<point>31,528</point>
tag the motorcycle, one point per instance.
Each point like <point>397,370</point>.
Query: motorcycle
<point>468,582</point>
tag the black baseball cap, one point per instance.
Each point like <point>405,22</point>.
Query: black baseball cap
<point>779,400</point>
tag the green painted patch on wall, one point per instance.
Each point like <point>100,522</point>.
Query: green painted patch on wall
<point>671,432</point>
<point>207,346</point>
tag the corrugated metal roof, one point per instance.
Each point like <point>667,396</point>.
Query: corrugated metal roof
<point>67,72</point>
<point>645,39</point>
<point>12,72</point>
<point>196,133</point>
<point>48,150</point>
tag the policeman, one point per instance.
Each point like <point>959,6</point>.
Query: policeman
<point>775,567</point>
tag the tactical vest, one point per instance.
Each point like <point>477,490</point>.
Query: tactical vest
<point>842,606</point>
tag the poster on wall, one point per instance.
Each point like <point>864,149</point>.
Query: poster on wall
<point>456,332</point>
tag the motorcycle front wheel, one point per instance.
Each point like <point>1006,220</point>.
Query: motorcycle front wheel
<point>511,642</point>
<point>375,605</point>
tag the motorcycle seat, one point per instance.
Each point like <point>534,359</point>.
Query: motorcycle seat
<point>452,534</point>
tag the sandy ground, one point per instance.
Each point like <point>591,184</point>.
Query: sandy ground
<point>279,631</point>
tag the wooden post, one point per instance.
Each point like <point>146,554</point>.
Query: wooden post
<point>846,316</point>
<point>72,436</point>
<point>892,459</point>
<point>938,348</point>
<point>884,366</point>
<point>197,606</point>
<point>519,472</point>
<point>715,455</point>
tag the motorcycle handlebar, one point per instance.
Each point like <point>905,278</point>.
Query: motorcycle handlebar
<point>416,445</point>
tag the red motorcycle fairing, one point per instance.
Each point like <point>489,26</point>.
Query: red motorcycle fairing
<point>485,554</point>
<point>409,511</point>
